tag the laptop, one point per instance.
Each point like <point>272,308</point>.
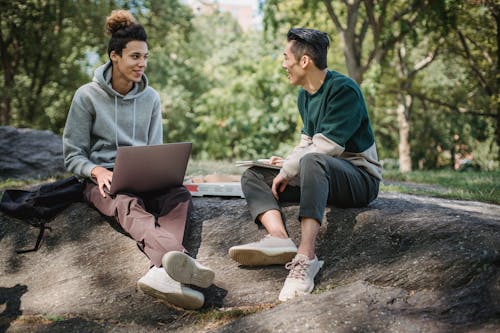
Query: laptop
<point>147,168</point>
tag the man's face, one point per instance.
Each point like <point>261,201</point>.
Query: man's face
<point>294,70</point>
<point>133,61</point>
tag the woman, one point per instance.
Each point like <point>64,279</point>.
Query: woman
<point>118,108</point>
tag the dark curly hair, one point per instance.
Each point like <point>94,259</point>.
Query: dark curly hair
<point>123,28</point>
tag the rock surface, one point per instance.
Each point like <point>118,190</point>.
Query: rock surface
<point>28,153</point>
<point>404,264</point>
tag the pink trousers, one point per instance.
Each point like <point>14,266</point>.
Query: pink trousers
<point>155,220</point>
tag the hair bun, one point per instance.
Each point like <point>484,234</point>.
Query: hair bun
<point>119,19</point>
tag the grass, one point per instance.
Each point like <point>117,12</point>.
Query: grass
<point>26,183</point>
<point>481,186</point>
<point>196,168</point>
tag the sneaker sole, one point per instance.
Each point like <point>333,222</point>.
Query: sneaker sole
<point>188,298</point>
<point>253,257</point>
<point>184,269</point>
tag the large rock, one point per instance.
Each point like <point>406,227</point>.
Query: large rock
<point>403,264</point>
<point>27,153</point>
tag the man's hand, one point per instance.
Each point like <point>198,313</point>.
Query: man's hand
<point>276,160</point>
<point>103,177</point>
<point>279,185</point>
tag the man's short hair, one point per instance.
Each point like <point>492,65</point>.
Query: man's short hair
<point>313,43</point>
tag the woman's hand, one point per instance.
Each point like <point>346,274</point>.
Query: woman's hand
<point>103,177</point>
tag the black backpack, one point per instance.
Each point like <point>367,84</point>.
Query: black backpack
<point>41,204</point>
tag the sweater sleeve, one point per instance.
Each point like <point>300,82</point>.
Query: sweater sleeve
<point>76,139</point>
<point>343,116</point>
<point>317,144</point>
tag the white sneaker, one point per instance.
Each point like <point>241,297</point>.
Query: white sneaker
<point>268,251</point>
<point>184,269</point>
<point>158,284</point>
<point>300,280</point>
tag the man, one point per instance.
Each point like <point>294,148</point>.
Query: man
<point>335,163</point>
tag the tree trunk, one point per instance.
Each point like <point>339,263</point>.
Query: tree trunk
<point>403,108</point>
<point>6,98</point>
<point>497,133</point>
<point>9,55</point>
<point>354,69</point>
<point>496,15</point>
<point>8,83</point>
<point>5,111</point>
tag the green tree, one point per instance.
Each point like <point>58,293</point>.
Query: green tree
<point>43,47</point>
<point>473,70</point>
<point>393,43</point>
<point>368,29</point>
<point>230,95</point>
<point>172,69</point>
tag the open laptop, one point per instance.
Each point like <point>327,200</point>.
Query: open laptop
<point>148,168</point>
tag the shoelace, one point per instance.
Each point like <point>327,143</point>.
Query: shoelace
<point>298,268</point>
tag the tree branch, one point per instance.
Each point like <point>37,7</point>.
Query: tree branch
<point>411,9</point>
<point>431,56</point>
<point>333,16</point>
<point>373,22</point>
<point>451,107</point>
<point>485,53</point>
<point>352,14</point>
<point>475,69</point>
<point>364,30</point>
<point>389,43</point>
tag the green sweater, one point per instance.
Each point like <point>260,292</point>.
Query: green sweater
<point>335,123</point>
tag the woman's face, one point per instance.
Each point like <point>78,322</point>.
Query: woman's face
<point>131,64</point>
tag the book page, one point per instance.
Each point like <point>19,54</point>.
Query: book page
<point>263,163</point>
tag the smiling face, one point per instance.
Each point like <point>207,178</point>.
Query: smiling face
<point>130,65</point>
<point>294,68</point>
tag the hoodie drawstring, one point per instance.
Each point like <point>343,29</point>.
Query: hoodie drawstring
<point>133,127</point>
<point>116,122</point>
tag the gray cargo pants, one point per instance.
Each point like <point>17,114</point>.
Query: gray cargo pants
<point>323,180</point>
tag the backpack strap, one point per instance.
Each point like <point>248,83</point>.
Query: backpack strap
<point>42,227</point>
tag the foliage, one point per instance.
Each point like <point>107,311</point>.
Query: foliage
<point>239,105</point>
<point>462,39</point>
<point>223,88</point>
<point>469,72</point>
<point>43,46</point>
<point>248,113</point>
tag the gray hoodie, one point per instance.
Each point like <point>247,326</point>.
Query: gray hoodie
<point>100,119</point>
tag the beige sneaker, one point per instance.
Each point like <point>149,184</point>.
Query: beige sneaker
<point>268,251</point>
<point>300,280</point>
<point>158,284</point>
<point>184,269</point>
